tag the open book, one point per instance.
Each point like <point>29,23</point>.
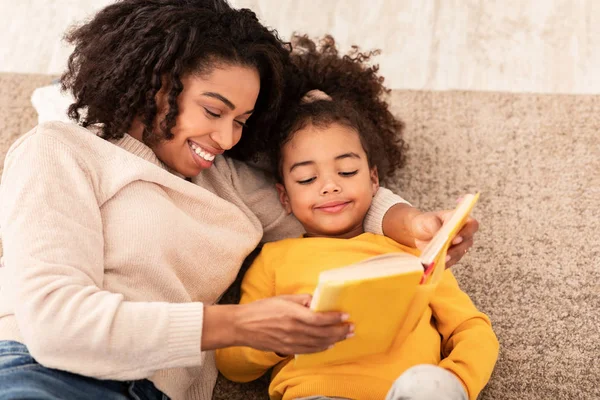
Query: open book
<point>385,295</point>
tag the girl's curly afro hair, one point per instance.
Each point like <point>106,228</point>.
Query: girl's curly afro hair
<point>130,49</point>
<point>358,101</point>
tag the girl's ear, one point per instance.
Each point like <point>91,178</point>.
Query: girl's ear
<point>374,180</point>
<point>283,197</point>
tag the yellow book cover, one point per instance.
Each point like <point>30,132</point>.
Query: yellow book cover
<point>385,296</point>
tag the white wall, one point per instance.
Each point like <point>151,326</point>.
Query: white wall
<point>31,32</point>
<point>506,45</point>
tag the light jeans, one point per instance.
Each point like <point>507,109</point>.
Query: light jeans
<point>421,382</point>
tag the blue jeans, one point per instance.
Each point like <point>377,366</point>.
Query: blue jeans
<point>21,377</point>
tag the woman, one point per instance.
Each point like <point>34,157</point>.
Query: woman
<point>121,233</point>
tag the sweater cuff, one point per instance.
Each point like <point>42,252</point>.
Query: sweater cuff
<point>384,200</point>
<point>185,333</point>
<point>458,379</point>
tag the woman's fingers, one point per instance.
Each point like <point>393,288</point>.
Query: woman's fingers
<point>284,324</point>
<point>327,333</point>
<point>313,318</point>
<point>302,299</point>
<point>310,339</point>
<point>325,327</point>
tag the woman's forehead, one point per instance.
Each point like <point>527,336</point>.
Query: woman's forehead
<point>239,85</point>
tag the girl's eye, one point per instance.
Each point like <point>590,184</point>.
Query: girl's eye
<point>242,124</point>
<point>306,181</point>
<point>346,174</point>
<point>212,114</point>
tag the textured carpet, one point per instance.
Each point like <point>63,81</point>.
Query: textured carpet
<point>535,265</point>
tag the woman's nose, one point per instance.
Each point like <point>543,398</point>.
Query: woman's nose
<point>224,137</point>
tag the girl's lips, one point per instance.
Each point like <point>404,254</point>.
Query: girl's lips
<point>333,207</point>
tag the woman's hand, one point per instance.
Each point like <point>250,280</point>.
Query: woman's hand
<point>425,225</point>
<point>286,326</point>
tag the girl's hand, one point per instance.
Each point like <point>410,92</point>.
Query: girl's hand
<point>425,225</point>
<point>285,325</point>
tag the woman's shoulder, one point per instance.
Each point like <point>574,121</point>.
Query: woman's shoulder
<point>55,134</point>
<point>67,148</point>
<point>66,140</point>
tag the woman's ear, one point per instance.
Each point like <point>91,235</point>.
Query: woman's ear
<point>283,197</point>
<point>374,180</point>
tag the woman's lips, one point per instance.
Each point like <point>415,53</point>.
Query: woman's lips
<point>204,159</point>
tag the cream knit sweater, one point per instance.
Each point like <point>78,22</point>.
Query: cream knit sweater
<point>109,257</point>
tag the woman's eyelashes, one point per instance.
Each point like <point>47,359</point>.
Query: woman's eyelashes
<point>344,174</point>
<point>212,113</point>
<point>217,115</point>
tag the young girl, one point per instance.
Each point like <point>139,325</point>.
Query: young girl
<point>333,151</point>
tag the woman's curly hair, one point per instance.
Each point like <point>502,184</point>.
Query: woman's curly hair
<point>357,93</point>
<point>125,54</point>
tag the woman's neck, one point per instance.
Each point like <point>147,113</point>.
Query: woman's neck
<point>136,130</point>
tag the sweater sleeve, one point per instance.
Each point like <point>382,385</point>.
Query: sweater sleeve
<point>257,189</point>
<point>245,364</point>
<point>54,251</point>
<point>469,345</point>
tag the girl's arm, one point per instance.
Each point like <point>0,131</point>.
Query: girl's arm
<point>411,227</point>
<point>469,345</point>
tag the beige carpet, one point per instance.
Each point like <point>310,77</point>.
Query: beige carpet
<point>535,266</point>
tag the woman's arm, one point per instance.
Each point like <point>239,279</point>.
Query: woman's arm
<point>266,326</point>
<point>256,187</point>
<point>245,364</point>
<point>469,345</point>
<point>54,255</point>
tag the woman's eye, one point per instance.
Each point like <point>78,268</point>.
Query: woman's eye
<point>212,114</point>
<point>242,124</point>
<point>306,181</point>
<point>351,173</point>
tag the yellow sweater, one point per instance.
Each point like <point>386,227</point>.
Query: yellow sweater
<point>451,334</point>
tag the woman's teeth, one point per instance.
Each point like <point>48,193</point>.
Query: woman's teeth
<point>202,153</point>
